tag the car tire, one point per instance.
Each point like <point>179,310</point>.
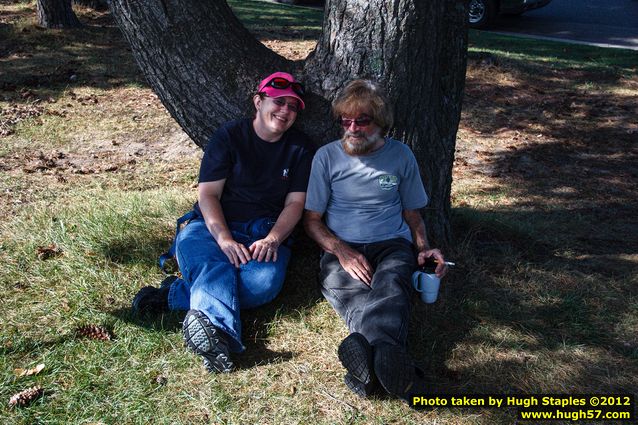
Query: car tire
<point>481,13</point>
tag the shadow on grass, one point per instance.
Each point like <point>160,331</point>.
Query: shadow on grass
<point>560,55</point>
<point>255,339</point>
<point>572,105</point>
<point>559,137</point>
<point>28,346</point>
<point>95,55</point>
<point>132,251</point>
<point>299,293</point>
<point>543,295</point>
<point>280,21</point>
<point>517,305</point>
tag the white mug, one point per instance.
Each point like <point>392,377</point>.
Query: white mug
<point>426,284</point>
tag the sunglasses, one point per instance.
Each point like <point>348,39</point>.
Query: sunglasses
<point>281,102</point>
<point>281,83</point>
<point>362,121</point>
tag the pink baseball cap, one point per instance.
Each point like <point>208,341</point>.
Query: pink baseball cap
<point>282,84</point>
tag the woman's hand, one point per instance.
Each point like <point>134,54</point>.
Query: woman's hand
<point>264,249</point>
<point>236,252</point>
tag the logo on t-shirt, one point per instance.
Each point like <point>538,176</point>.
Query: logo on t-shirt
<point>388,181</point>
<point>284,173</point>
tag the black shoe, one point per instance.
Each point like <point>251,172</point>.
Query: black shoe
<point>359,388</point>
<point>168,281</point>
<point>205,339</point>
<point>151,300</point>
<point>355,354</point>
<point>397,372</point>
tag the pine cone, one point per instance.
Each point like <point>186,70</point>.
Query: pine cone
<point>26,397</point>
<point>46,252</point>
<point>95,332</point>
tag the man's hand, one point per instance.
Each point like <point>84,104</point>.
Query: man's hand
<point>351,260</point>
<point>264,249</point>
<point>441,268</point>
<point>354,263</point>
<point>236,252</point>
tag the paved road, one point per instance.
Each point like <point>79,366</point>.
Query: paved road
<point>600,22</point>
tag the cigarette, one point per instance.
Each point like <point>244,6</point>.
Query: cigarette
<point>447,263</point>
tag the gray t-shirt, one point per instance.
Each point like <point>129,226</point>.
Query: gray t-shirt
<point>363,197</point>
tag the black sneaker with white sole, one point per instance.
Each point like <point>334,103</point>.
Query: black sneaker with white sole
<point>203,338</point>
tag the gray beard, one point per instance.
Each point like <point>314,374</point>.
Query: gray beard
<point>363,147</point>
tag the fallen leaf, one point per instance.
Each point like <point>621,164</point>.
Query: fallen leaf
<point>28,372</point>
<point>65,304</point>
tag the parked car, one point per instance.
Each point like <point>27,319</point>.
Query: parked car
<point>482,12</point>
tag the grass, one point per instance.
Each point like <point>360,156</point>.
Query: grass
<point>543,299</point>
<point>282,19</point>
<point>553,55</point>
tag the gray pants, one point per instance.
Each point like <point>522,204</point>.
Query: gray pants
<point>381,311</point>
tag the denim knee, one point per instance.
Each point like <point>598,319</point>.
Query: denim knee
<point>261,282</point>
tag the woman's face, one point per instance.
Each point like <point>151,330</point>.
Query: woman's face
<point>274,115</point>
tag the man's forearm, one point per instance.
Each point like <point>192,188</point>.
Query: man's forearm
<point>352,261</point>
<point>317,230</point>
<point>417,228</point>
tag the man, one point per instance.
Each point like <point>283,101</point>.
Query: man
<point>367,188</point>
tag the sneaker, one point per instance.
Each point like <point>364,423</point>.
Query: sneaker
<point>151,300</point>
<point>359,388</point>
<point>355,354</point>
<point>397,372</point>
<point>203,338</point>
<point>168,281</point>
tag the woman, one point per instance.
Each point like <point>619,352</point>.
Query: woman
<point>233,255</point>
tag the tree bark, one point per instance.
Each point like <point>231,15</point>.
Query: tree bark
<point>56,14</point>
<point>204,65</point>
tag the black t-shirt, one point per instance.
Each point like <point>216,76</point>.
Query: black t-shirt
<point>258,174</point>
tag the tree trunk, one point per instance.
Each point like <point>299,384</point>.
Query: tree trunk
<point>204,65</point>
<point>56,14</point>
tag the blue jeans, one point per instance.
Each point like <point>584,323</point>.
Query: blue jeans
<point>214,286</point>
<point>381,311</point>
